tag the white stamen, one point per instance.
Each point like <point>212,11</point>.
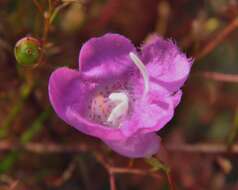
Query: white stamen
<point>143,71</point>
<point>120,109</point>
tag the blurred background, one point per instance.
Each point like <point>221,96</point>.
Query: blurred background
<point>39,151</point>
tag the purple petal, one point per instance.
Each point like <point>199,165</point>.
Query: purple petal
<point>76,120</point>
<point>177,98</point>
<point>151,115</point>
<point>64,89</point>
<point>69,95</point>
<point>166,63</point>
<point>139,146</point>
<point>157,112</point>
<point>106,57</point>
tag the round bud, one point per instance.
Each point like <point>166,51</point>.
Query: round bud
<point>28,51</point>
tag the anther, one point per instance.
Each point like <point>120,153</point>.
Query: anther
<point>122,103</point>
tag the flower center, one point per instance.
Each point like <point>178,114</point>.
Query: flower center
<point>111,109</point>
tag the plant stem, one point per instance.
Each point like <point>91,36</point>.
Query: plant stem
<point>24,94</point>
<point>232,136</point>
<point>38,6</point>
<point>26,137</point>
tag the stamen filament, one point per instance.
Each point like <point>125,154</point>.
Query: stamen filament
<point>136,60</point>
<point>120,109</point>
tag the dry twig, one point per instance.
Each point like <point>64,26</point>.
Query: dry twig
<point>52,148</point>
<point>232,26</point>
<point>123,170</point>
<point>203,148</point>
<point>38,6</point>
<point>112,182</point>
<point>112,171</point>
<point>67,174</point>
<point>221,77</point>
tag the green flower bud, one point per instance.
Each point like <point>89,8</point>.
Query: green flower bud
<point>28,51</point>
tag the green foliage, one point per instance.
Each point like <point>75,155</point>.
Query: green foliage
<point>157,165</point>
<point>26,137</point>
<point>24,94</point>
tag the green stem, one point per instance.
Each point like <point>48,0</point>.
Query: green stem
<point>57,10</point>
<point>36,127</point>
<point>157,165</point>
<point>233,134</point>
<point>24,94</point>
<point>26,137</point>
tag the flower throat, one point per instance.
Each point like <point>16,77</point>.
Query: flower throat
<point>110,106</point>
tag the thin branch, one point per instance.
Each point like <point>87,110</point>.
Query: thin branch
<point>170,181</point>
<point>112,181</point>
<point>67,174</point>
<point>53,148</point>
<point>124,170</point>
<point>232,26</point>
<point>13,185</point>
<point>134,171</point>
<point>50,5</point>
<point>44,148</point>
<point>38,6</point>
<point>46,28</point>
<point>221,77</point>
<point>203,148</point>
<point>112,171</point>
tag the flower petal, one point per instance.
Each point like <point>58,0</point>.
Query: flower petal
<point>157,113</point>
<point>75,119</point>
<point>106,57</point>
<point>64,89</point>
<point>177,98</point>
<point>69,95</point>
<point>60,81</point>
<point>139,146</point>
<point>151,114</point>
<point>166,63</point>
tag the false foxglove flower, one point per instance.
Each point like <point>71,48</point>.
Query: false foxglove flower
<point>120,95</point>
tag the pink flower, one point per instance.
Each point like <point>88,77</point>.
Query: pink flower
<point>120,95</point>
